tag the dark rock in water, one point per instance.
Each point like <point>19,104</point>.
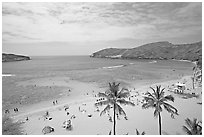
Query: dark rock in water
<point>13,57</point>
<point>158,50</point>
<point>47,129</point>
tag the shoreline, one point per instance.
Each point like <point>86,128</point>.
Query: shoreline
<point>132,87</point>
<point>78,102</point>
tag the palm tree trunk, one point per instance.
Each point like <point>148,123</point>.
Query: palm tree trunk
<point>193,82</point>
<point>159,124</point>
<point>114,120</point>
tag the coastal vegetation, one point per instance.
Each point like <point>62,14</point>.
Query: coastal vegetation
<point>197,74</point>
<point>9,127</point>
<point>163,50</point>
<point>138,133</point>
<point>192,127</point>
<point>13,57</point>
<point>156,100</point>
<point>113,98</point>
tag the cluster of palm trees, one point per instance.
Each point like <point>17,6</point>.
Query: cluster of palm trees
<point>197,74</point>
<point>114,97</point>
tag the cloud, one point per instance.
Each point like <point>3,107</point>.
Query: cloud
<point>70,22</point>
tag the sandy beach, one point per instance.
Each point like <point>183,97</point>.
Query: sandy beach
<point>101,68</point>
<point>86,119</point>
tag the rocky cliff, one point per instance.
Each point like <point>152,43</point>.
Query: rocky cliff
<point>13,57</point>
<point>157,50</point>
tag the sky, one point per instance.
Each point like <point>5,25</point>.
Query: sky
<point>37,29</point>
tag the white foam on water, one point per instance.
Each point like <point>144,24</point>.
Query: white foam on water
<point>8,75</point>
<point>111,67</point>
<point>153,61</point>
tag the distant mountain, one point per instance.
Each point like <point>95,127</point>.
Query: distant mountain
<point>158,50</point>
<point>13,57</point>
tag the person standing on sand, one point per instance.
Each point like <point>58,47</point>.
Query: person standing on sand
<point>53,102</point>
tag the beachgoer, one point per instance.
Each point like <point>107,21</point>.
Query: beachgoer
<point>47,114</point>
<point>26,118</point>
<point>56,102</point>
<point>7,111</point>
<point>47,130</point>
<point>73,117</point>
<point>67,113</point>
<point>53,102</point>
<point>67,124</point>
<point>15,110</point>
<point>66,108</point>
<point>110,119</point>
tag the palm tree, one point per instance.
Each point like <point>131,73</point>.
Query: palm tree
<point>156,100</point>
<point>113,97</point>
<point>193,127</point>
<point>138,133</point>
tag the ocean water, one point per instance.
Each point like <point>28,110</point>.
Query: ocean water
<point>101,70</point>
<point>42,64</point>
<point>85,69</point>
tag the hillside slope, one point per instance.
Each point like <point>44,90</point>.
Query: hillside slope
<point>13,57</point>
<point>157,50</point>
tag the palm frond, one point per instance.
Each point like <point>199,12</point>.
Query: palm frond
<point>148,99</point>
<point>143,133</point>
<point>125,102</point>
<point>156,113</point>
<point>161,94</point>
<point>124,93</point>
<point>169,98</point>
<point>154,94</point>
<point>169,108</point>
<point>100,94</point>
<point>137,132</point>
<point>189,123</point>
<point>148,94</point>
<point>101,103</point>
<point>147,105</point>
<point>105,109</point>
<point>185,129</point>
<point>159,108</point>
<point>109,133</point>
<point>114,88</point>
<point>119,109</point>
<point>158,91</point>
<point>192,127</point>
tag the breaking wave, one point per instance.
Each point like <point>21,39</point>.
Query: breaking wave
<point>111,67</point>
<point>8,75</point>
